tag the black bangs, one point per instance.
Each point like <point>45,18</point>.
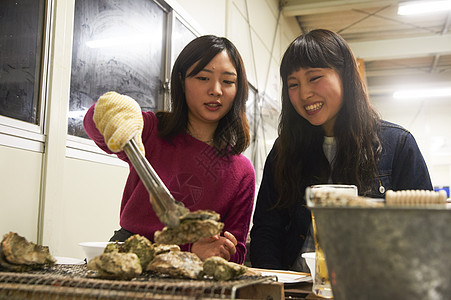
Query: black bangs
<point>304,53</point>
<point>211,53</point>
<point>312,50</point>
<point>211,46</point>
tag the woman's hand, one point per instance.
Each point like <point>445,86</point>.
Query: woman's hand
<point>223,246</point>
<point>119,119</point>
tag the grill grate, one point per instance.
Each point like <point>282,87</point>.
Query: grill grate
<point>48,286</point>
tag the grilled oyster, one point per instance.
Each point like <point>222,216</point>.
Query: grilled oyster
<point>221,269</point>
<point>141,246</point>
<point>115,265</point>
<point>192,227</point>
<point>137,244</point>
<point>160,249</point>
<point>120,261</point>
<point>202,215</point>
<point>177,264</point>
<point>113,247</point>
<point>18,254</point>
<point>6,265</point>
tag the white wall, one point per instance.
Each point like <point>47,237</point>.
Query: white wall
<point>58,200</point>
<point>428,120</point>
<point>20,185</point>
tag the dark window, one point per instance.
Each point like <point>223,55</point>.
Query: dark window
<point>181,36</point>
<point>117,46</point>
<point>21,40</point>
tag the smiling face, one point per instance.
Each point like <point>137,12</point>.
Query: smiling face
<point>317,95</point>
<point>210,93</point>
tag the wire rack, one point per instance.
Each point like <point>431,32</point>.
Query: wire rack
<point>48,286</point>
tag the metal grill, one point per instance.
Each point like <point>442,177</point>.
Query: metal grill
<point>39,286</point>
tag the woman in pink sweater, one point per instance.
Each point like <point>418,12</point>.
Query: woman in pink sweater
<point>195,149</point>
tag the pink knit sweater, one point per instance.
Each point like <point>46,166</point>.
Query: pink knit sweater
<point>194,174</point>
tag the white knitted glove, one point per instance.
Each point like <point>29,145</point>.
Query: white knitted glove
<point>119,119</point>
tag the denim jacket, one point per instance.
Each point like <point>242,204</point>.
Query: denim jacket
<point>401,165</point>
<point>277,235</point>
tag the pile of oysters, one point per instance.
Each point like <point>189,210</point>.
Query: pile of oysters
<point>19,255</point>
<point>137,255</point>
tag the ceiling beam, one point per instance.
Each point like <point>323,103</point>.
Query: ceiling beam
<point>402,48</point>
<point>390,81</point>
<point>302,8</point>
<point>407,72</point>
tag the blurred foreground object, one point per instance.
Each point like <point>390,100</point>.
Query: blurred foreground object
<point>415,197</point>
<point>386,252</point>
<point>321,281</point>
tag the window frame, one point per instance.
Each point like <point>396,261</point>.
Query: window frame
<point>21,134</point>
<point>32,137</point>
<point>86,149</point>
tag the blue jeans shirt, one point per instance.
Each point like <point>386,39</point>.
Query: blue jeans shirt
<point>278,235</point>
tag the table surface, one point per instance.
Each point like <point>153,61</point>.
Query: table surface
<point>301,290</point>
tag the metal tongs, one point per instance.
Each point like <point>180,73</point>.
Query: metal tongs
<point>167,209</point>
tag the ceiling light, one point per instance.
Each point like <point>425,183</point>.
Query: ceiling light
<point>422,93</point>
<point>423,7</point>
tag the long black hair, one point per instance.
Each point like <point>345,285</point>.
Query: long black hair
<point>300,160</point>
<point>232,134</point>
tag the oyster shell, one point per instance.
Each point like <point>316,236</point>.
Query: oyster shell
<point>113,247</point>
<point>141,246</point>
<point>6,265</point>
<point>202,215</point>
<point>177,264</point>
<point>115,265</point>
<point>192,227</point>
<point>221,269</point>
<point>123,261</point>
<point>160,249</point>
<point>18,254</point>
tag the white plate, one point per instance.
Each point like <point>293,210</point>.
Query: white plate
<point>93,249</point>
<point>68,261</point>
<point>284,276</point>
<point>310,259</point>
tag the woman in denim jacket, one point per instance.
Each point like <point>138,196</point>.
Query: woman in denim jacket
<point>328,133</point>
